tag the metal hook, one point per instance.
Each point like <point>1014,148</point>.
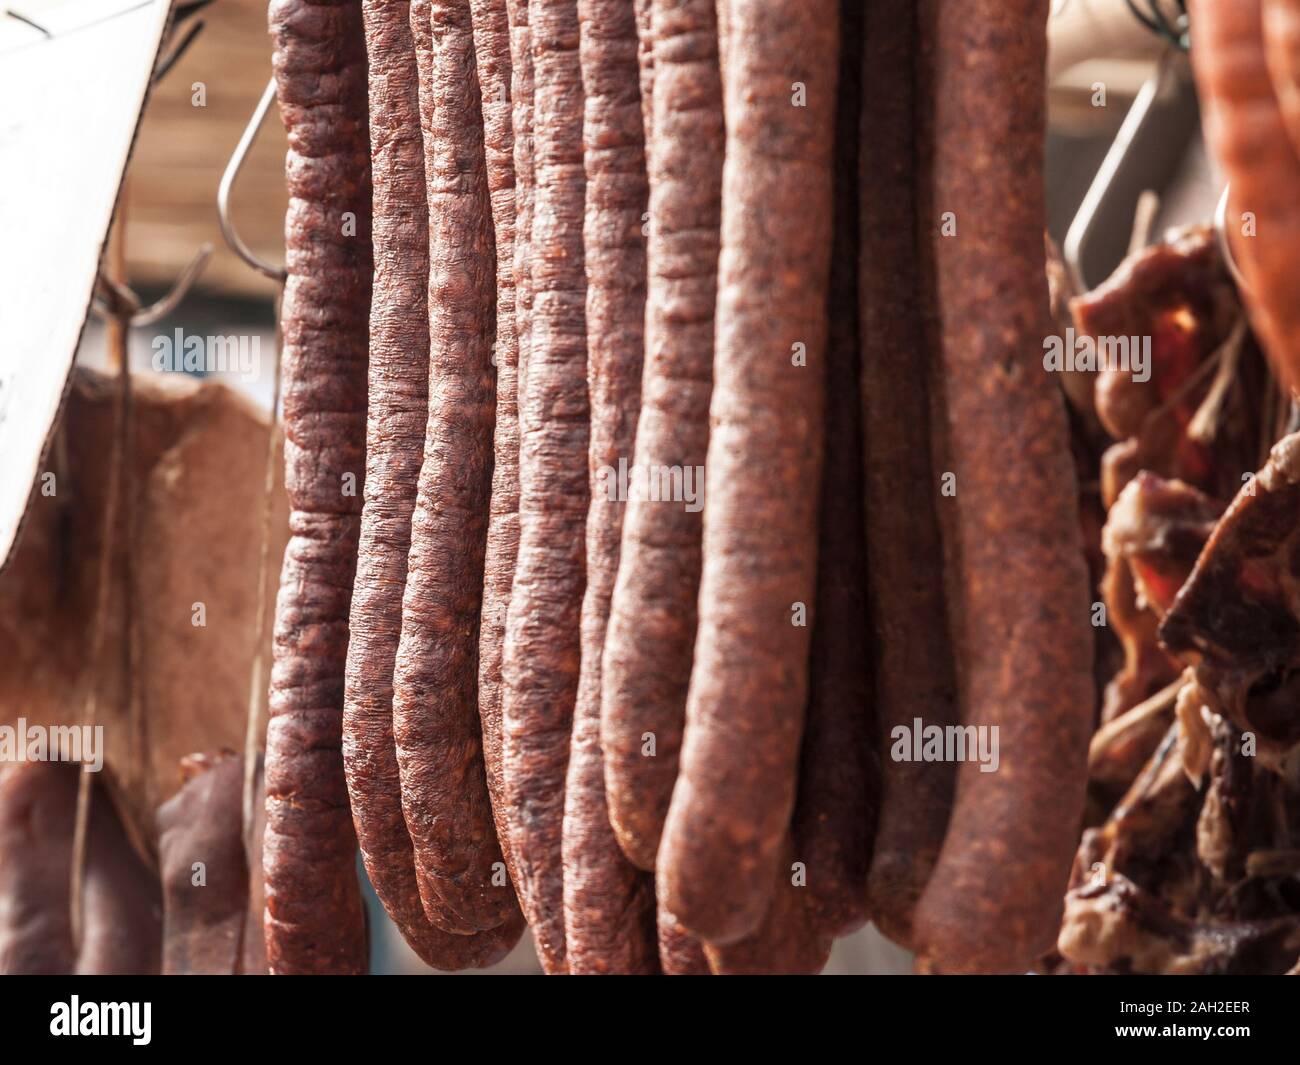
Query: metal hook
<point>163,307</point>
<point>1143,155</point>
<point>236,163</point>
<point>1221,235</point>
<point>114,299</point>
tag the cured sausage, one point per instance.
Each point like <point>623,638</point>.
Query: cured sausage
<point>835,807</point>
<point>445,800</point>
<point>399,340</point>
<point>994,899</point>
<point>314,917</point>
<point>651,633</point>
<point>609,906</point>
<point>204,870</point>
<point>492,693</point>
<point>492,61</point>
<point>540,665</point>
<point>791,940</point>
<point>911,669</point>
<point>680,953</point>
<point>1247,131</point>
<point>731,806</point>
<point>398,411</point>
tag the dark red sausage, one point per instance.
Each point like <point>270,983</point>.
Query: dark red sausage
<point>994,900</point>
<point>791,939</point>
<point>609,908</point>
<point>38,804</point>
<point>835,808</point>
<point>651,634</point>
<point>645,57</point>
<point>448,812</point>
<point>542,649</point>
<point>521,108</point>
<point>492,60</point>
<point>314,919</point>
<point>732,803</point>
<point>912,669</point>
<point>680,953</point>
<point>1246,127</point>
<point>398,411</point>
<point>1281,26</point>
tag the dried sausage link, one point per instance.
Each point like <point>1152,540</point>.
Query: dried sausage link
<point>492,59</point>
<point>835,808</point>
<point>680,953</point>
<point>435,679</point>
<point>541,658</point>
<point>732,803</point>
<point>397,411</point>
<point>609,907</point>
<point>314,918</point>
<point>912,670</point>
<point>1247,117</point>
<point>789,941</point>
<point>651,633</point>
<point>994,900</point>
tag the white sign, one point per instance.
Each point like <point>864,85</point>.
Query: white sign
<point>71,94</point>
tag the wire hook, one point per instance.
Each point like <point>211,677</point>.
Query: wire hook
<point>236,163</point>
<point>114,300</point>
<point>163,307</point>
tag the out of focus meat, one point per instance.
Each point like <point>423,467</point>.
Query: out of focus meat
<point>1159,527</point>
<point>1179,294</point>
<point>211,925</point>
<point>1119,927</point>
<point>121,911</point>
<point>1238,615</point>
<point>1154,532</point>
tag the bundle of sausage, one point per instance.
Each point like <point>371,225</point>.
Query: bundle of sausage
<point>666,427</point>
